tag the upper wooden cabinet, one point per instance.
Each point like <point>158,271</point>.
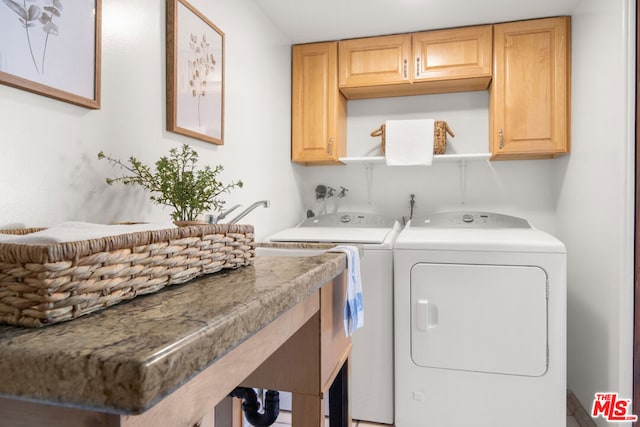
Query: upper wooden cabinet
<point>413,64</point>
<point>318,109</point>
<point>459,53</point>
<point>529,110</point>
<point>527,63</point>
<point>375,61</point>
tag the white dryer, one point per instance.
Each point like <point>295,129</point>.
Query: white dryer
<point>480,323</point>
<point>371,384</point>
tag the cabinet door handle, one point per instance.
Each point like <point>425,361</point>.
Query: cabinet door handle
<point>501,136</point>
<point>417,66</point>
<point>405,69</point>
<point>330,146</point>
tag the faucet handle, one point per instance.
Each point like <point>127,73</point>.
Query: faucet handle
<point>213,219</point>
<point>343,192</point>
<point>321,191</point>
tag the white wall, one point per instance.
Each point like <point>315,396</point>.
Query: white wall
<point>595,210</point>
<point>522,188</point>
<point>48,167</point>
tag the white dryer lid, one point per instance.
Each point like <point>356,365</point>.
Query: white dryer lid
<point>457,239</point>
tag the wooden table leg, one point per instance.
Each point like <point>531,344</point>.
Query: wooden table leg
<point>307,410</point>
<point>228,413</point>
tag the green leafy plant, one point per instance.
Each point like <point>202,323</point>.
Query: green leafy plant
<point>176,182</point>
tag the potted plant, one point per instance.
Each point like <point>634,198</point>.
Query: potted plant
<point>176,182</point>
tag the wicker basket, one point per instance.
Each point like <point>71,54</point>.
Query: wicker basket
<point>45,284</point>
<point>440,131</point>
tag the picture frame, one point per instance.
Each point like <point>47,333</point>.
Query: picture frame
<point>195,74</point>
<point>53,50</point>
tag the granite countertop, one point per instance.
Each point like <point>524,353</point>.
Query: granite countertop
<point>128,357</point>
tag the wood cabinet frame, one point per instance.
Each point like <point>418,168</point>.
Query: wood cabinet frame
<point>529,111</point>
<point>318,109</point>
<point>530,104</point>
<point>439,61</point>
<point>294,366</point>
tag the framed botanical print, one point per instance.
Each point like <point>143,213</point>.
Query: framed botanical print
<point>52,48</point>
<point>195,74</point>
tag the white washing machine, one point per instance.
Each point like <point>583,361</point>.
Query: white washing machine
<point>480,315</point>
<point>371,382</point>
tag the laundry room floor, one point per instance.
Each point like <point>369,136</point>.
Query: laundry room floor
<point>573,414</point>
<point>577,416</point>
<point>284,420</point>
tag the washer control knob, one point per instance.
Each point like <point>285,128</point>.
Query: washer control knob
<point>467,218</point>
<point>345,218</point>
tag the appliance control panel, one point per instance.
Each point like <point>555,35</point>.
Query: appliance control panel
<point>470,220</point>
<point>349,219</point>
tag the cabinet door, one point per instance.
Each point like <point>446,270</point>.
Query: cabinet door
<point>461,53</point>
<point>530,92</point>
<point>375,61</point>
<point>318,110</point>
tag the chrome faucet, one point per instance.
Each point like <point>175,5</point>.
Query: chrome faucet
<point>245,212</point>
<point>212,219</point>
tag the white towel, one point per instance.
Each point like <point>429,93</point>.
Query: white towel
<point>353,306</point>
<point>409,142</point>
<point>75,231</point>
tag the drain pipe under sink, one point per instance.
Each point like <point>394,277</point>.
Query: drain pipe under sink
<point>250,406</point>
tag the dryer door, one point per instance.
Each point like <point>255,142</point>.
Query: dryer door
<point>484,318</point>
